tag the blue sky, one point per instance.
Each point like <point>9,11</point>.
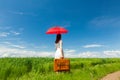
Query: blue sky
<point>93,25</point>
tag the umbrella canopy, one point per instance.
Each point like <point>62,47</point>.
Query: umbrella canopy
<point>56,30</point>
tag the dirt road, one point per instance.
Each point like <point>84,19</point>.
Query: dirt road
<point>112,76</point>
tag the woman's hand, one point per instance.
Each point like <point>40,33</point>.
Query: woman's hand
<point>62,58</point>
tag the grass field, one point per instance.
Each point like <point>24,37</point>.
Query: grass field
<point>42,68</point>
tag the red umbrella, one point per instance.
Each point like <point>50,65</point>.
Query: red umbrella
<point>56,30</point>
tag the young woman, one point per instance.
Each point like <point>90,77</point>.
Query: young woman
<point>58,44</point>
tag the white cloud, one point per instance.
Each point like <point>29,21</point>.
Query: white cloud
<point>4,34</point>
<point>92,46</point>
<point>40,47</point>
<point>22,13</point>
<point>9,32</point>
<point>8,49</point>
<point>18,46</point>
<point>112,53</point>
<point>14,52</point>
<point>89,54</point>
<point>15,33</point>
<point>6,42</point>
<point>17,12</point>
<point>4,55</point>
<point>9,44</point>
<point>105,21</point>
<point>95,54</point>
<point>70,51</point>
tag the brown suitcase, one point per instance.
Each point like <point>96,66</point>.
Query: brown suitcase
<point>61,65</point>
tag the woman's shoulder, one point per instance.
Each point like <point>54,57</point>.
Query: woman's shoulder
<point>60,41</point>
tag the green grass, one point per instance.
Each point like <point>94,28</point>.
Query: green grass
<point>42,68</point>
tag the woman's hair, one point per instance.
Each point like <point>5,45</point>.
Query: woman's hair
<point>58,38</point>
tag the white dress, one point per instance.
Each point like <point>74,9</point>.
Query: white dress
<point>59,51</point>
